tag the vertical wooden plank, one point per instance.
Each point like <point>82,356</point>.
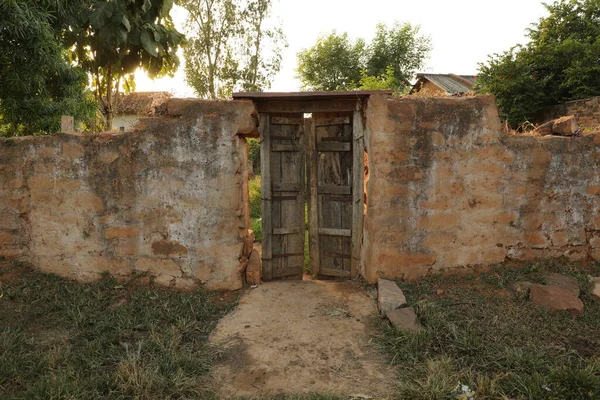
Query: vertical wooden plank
<point>357,189</point>
<point>302,194</point>
<point>265,159</point>
<point>313,216</point>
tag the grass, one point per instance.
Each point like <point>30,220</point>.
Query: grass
<point>254,200</point>
<point>64,340</point>
<point>478,333</point>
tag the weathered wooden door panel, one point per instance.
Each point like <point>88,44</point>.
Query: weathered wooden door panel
<point>333,143</point>
<point>282,155</point>
<point>333,139</point>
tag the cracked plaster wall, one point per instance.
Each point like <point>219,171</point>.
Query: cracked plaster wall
<point>447,189</point>
<point>169,199</point>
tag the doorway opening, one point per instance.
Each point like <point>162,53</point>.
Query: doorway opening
<point>311,183</point>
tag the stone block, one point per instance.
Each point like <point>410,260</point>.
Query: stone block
<point>555,299</point>
<point>121,231</point>
<point>169,248</point>
<point>593,189</point>
<point>389,296</point>
<point>404,319</point>
<point>437,221</point>
<point>562,281</point>
<point>254,269</point>
<point>535,240</point>
<point>595,281</point>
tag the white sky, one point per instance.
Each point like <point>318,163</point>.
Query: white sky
<point>463,32</point>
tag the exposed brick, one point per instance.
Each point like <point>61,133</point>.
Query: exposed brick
<point>437,221</point>
<point>593,189</point>
<point>119,232</point>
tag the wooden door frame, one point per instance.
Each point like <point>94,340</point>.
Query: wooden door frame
<point>311,181</point>
<point>358,196</point>
<point>266,195</point>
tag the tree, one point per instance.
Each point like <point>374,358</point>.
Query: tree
<point>399,47</point>
<point>334,63</point>
<point>113,38</point>
<point>337,63</point>
<point>558,64</point>
<point>230,46</point>
<point>37,82</point>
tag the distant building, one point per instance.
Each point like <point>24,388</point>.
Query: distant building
<point>133,106</point>
<point>443,84</point>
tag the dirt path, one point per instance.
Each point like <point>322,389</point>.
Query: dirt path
<point>301,337</point>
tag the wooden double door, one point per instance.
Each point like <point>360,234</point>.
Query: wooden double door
<point>312,183</point>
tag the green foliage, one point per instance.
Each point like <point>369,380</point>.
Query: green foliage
<point>560,63</point>
<point>255,202</point>
<point>256,226</point>
<point>113,38</point>
<point>382,82</point>
<point>254,155</point>
<point>230,46</point>
<point>65,340</point>
<point>499,344</point>
<point>38,84</point>
<point>399,47</point>
<point>336,62</point>
<point>254,189</point>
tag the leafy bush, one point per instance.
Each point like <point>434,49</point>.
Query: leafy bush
<point>254,155</point>
<point>560,63</point>
<point>254,196</point>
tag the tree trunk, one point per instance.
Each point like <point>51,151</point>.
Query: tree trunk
<point>109,114</point>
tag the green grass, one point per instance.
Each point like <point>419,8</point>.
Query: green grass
<point>254,200</point>
<point>64,340</point>
<point>480,334</point>
<point>254,196</point>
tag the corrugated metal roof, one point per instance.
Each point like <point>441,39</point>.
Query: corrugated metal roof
<point>450,84</point>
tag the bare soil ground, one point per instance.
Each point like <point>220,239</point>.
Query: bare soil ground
<point>301,337</point>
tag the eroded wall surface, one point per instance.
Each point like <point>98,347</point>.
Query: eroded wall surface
<point>168,199</point>
<point>586,111</point>
<point>447,189</point>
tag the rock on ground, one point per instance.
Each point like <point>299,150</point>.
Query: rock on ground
<point>254,268</point>
<point>521,287</point>
<point>404,319</point>
<point>389,296</point>
<point>562,281</point>
<point>595,286</point>
<point>301,337</point>
<point>556,299</point>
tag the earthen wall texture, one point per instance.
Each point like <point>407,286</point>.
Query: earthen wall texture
<point>168,199</point>
<point>447,189</point>
<point>586,112</point>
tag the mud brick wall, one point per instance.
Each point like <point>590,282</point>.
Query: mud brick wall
<point>168,199</point>
<point>447,189</point>
<point>586,111</point>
